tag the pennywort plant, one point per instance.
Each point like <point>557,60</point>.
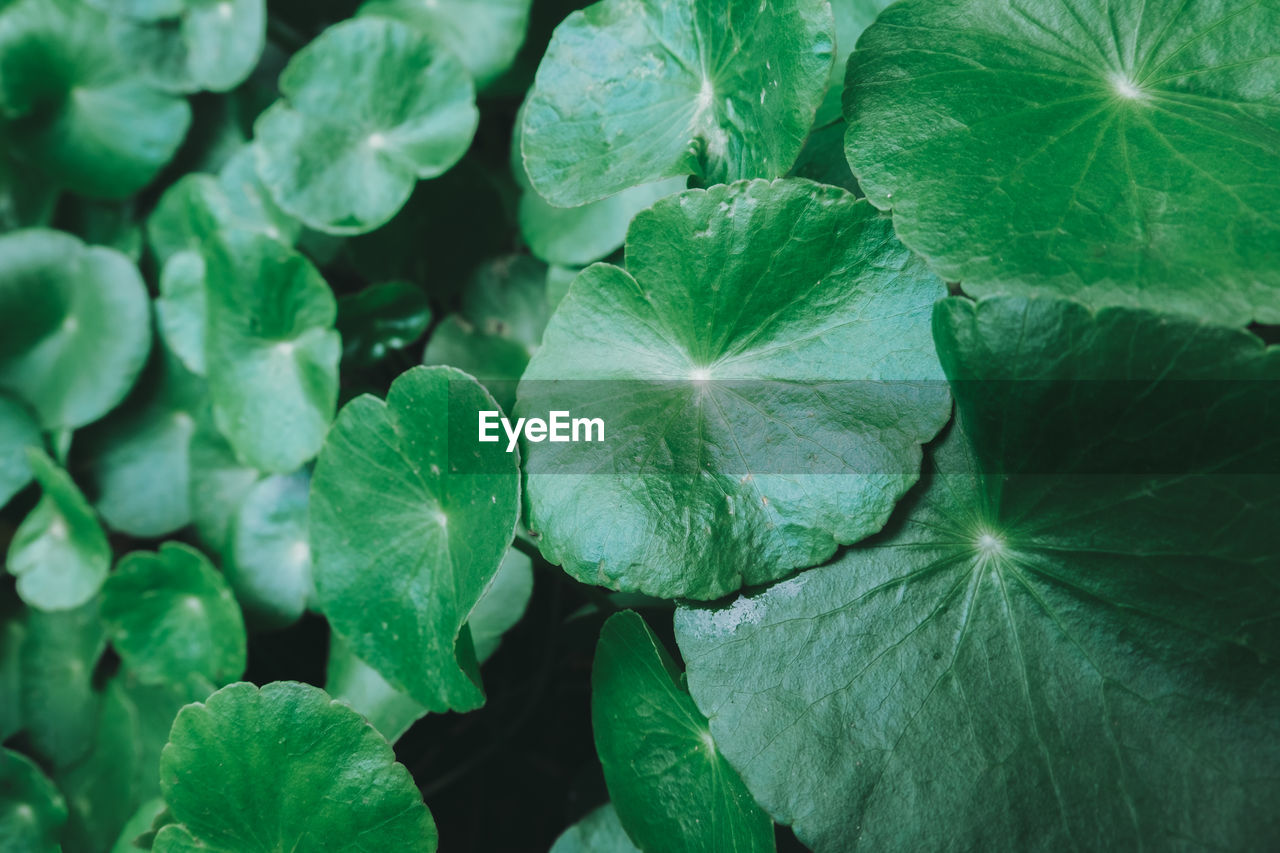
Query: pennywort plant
<point>932,491</point>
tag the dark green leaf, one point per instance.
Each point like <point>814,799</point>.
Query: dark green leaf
<point>32,812</point>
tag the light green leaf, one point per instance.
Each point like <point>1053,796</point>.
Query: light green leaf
<point>484,34</point>
<point>173,619</point>
<point>766,377</point>
<point>74,326</point>
<point>32,812</point>
<point>268,555</point>
<point>59,553</point>
<point>349,679</point>
<point>219,482</point>
<point>143,10</point>
<point>271,353</point>
<point>502,604</point>
<point>410,520</point>
<point>379,319</point>
<point>1068,634</point>
<point>671,787</point>
<point>598,832</point>
<point>576,236</point>
<point>181,312</point>
<point>18,431</point>
<point>1123,154</point>
<point>137,460</point>
<point>74,107</point>
<point>633,92</point>
<point>203,45</point>
<point>370,108</point>
<point>335,783</point>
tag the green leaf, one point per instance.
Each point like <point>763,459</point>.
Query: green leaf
<point>852,17</point>
<point>766,378</point>
<point>138,458</point>
<point>12,635</point>
<point>59,554</point>
<point>370,108</point>
<point>75,108</point>
<point>502,605</point>
<point>271,353</point>
<point>219,483</point>
<point>268,554</point>
<point>74,326</point>
<point>32,812</point>
<point>504,310</point>
<point>403,542</point>
<point>181,309</point>
<point>138,825</point>
<point>484,34</point>
<point>598,832</point>
<point>671,787</point>
<point>26,198</point>
<point>349,679</point>
<point>60,706</point>
<point>18,431</point>
<point>1126,155</point>
<point>173,619</point>
<point>629,93</point>
<point>576,236</point>
<point>1066,637</point>
<point>379,319</point>
<point>334,781</point>
<point>202,45</point>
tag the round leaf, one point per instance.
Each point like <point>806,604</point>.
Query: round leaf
<point>76,108</point>
<point>172,618</point>
<point>74,326</point>
<point>629,93</point>
<point>484,34</point>
<point>59,554</point>
<point>32,812</point>
<point>765,374</point>
<point>671,787</point>
<point>1124,157</point>
<point>271,353</point>
<point>369,108</point>
<point>405,540</point>
<point>268,557</point>
<point>1065,637</point>
<point>334,781</point>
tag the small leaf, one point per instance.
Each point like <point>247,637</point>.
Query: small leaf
<point>502,604</point>
<point>219,483</point>
<point>271,353</point>
<point>202,45</point>
<point>671,787</point>
<point>59,554</point>
<point>404,543</point>
<point>370,108</point>
<point>336,782</point>
<point>181,309</point>
<point>268,554</point>
<point>668,88</point>
<point>379,319</point>
<point>598,832</point>
<point>349,679</point>
<point>74,326</point>
<point>765,375</point>
<point>172,618</point>
<point>32,812</point>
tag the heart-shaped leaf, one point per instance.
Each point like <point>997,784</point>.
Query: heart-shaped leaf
<point>78,109</point>
<point>765,376</point>
<point>270,350</point>
<point>630,93</point>
<point>1068,632</point>
<point>335,782</point>
<point>74,326</point>
<point>370,108</point>
<point>1123,155</point>
<point>173,619</point>
<point>671,787</point>
<point>404,539</point>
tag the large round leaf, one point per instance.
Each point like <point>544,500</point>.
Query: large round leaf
<point>78,109</point>
<point>32,812</point>
<point>74,326</point>
<point>197,44</point>
<point>173,619</point>
<point>1066,638</point>
<point>410,520</point>
<point>370,107</point>
<point>59,553</point>
<point>672,788</point>
<point>632,92</point>
<point>765,376</point>
<point>1126,155</point>
<point>285,768</point>
<point>484,34</point>
<point>270,350</point>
